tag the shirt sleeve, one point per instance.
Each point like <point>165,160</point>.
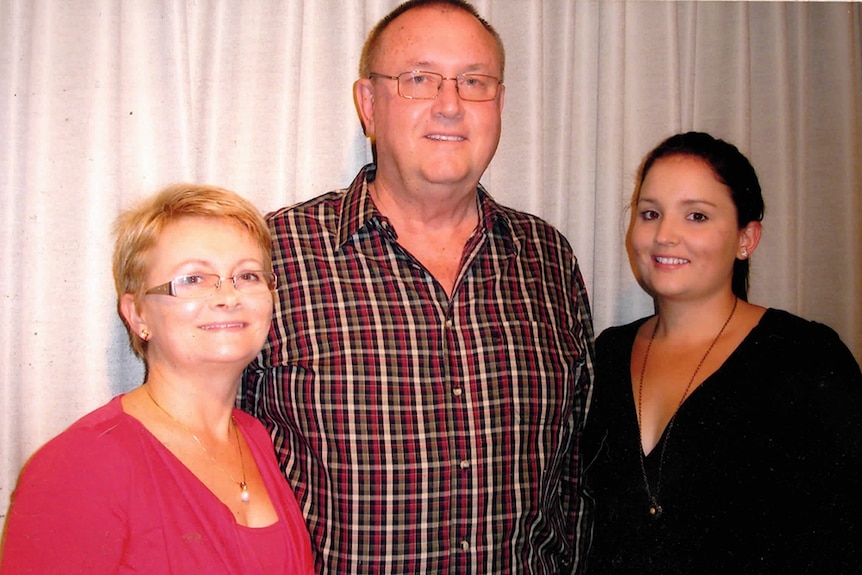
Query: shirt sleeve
<point>581,517</point>
<point>252,378</point>
<point>67,514</point>
<point>829,461</point>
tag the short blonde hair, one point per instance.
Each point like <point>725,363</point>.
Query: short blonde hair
<point>138,229</point>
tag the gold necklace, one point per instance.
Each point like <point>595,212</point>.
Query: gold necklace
<point>244,495</point>
<point>655,509</point>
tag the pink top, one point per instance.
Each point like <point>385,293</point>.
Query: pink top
<point>105,496</point>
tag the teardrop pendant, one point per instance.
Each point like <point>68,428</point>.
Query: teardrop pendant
<point>244,495</point>
<point>655,509</point>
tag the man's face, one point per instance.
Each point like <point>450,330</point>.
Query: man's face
<point>442,143</point>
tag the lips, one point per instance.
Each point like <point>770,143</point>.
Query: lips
<point>445,138</point>
<point>670,261</point>
<point>224,325</point>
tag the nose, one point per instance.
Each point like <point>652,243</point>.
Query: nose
<point>225,292</point>
<point>448,101</point>
<point>666,232</point>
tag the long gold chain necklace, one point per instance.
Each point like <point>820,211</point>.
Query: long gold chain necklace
<point>244,495</point>
<point>655,508</point>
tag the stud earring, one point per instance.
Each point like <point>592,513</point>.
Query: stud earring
<point>145,334</point>
<point>744,253</point>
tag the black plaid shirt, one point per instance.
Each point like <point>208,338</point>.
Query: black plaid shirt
<point>422,433</point>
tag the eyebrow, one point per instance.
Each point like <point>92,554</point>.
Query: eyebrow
<point>207,263</point>
<point>425,65</point>
<point>688,202</point>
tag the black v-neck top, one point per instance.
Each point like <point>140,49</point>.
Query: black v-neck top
<point>762,472</point>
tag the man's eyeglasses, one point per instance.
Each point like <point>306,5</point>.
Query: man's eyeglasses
<point>200,286</point>
<point>419,85</point>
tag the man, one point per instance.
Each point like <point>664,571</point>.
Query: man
<point>428,372</point>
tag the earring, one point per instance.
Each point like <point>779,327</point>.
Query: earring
<point>145,334</point>
<point>744,253</point>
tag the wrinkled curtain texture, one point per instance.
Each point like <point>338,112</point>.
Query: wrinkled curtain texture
<point>104,101</point>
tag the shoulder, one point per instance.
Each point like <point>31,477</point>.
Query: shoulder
<point>325,205</point>
<point>784,322</point>
<point>618,336</point>
<point>326,201</point>
<point>104,432</point>
<point>104,429</point>
<point>802,349</point>
<point>307,219</point>
<point>784,331</point>
<point>249,424</point>
<point>537,244</point>
<point>254,431</point>
<point>526,226</point>
<point>97,450</point>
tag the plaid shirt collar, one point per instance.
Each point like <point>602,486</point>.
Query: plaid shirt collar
<point>358,211</point>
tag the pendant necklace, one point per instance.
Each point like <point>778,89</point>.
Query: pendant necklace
<point>655,509</point>
<point>244,495</point>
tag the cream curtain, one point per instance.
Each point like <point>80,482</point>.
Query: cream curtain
<point>103,101</point>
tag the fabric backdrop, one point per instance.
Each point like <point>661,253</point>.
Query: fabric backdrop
<point>104,101</point>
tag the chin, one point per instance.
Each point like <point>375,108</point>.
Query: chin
<point>664,290</point>
<point>234,356</point>
<point>447,173</point>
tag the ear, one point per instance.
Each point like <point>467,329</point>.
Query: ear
<point>363,98</point>
<point>501,97</point>
<point>129,310</point>
<point>749,238</point>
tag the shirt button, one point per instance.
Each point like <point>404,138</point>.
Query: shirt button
<point>465,463</point>
<point>465,545</point>
<point>448,324</point>
<point>457,392</point>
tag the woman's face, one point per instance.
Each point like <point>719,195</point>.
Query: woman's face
<point>228,327</point>
<point>684,235</point>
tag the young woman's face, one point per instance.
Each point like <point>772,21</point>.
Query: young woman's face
<point>684,235</point>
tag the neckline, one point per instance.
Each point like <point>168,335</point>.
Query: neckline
<point>695,393</point>
<point>160,447</point>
